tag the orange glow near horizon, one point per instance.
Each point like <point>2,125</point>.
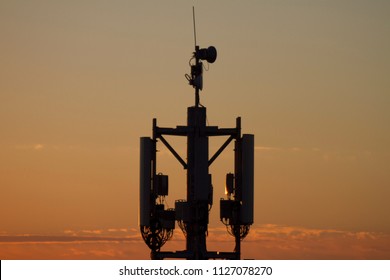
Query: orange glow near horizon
<point>264,242</point>
<point>81,81</point>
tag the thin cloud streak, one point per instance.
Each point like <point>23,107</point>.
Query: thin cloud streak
<point>263,242</point>
<point>62,239</point>
<point>265,148</point>
<point>38,147</point>
<point>285,242</point>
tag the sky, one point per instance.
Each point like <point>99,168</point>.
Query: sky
<point>81,81</point>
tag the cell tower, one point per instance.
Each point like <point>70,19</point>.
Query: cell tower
<point>192,214</point>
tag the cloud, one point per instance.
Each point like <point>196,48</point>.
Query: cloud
<point>70,235</point>
<point>285,149</point>
<point>25,238</point>
<point>288,242</point>
<point>38,147</point>
<point>35,147</point>
<point>321,155</point>
<point>265,148</point>
<point>75,245</point>
<point>117,230</point>
<point>267,241</point>
<point>74,251</point>
<point>96,231</point>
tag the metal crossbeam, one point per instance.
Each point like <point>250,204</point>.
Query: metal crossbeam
<point>172,150</point>
<point>220,150</point>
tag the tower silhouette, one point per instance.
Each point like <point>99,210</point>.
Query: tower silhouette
<point>192,214</point>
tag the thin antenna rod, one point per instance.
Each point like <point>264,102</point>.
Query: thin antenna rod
<point>193,18</point>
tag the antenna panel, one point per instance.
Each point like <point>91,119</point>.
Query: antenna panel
<point>248,149</point>
<point>167,219</point>
<point>182,211</point>
<point>229,187</point>
<point>161,184</point>
<point>145,180</point>
<point>226,210</point>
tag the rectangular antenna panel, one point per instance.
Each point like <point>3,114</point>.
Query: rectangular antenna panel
<point>161,184</point>
<point>248,149</point>
<point>167,219</point>
<point>226,209</point>
<point>229,187</point>
<point>182,211</point>
<point>145,180</point>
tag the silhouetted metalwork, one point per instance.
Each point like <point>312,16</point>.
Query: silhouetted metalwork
<point>192,214</point>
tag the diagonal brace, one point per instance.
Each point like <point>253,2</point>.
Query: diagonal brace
<point>172,150</point>
<point>220,150</point>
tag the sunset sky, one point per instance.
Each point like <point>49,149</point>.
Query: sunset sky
<point>81,81</point>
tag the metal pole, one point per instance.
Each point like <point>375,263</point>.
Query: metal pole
<point>198,182</point>
<point>238,187</point>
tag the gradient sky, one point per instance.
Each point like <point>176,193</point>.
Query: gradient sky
<point>80,82</point>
